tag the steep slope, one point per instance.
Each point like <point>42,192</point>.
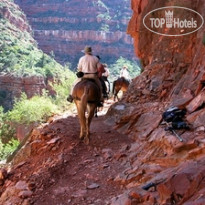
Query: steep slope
<point>23,67</point>
<point>65,27</point>
<point>173,76</point>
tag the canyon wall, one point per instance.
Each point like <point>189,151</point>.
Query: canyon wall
<point>11,87</point>
<point>10,12</point>
<point>65,27</point>
<point>173,66</point>
<point>14,27</point>
<point>173,76</point>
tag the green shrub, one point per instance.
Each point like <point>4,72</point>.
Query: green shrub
<point>133,68</point>
<point>7,132</point>
<point>62,88</point>
<point>20,56</point>
<point>36,109</point>
<point>1,115</point>
<point>105,27</point>
<point>7,143</point>
<point>8,148</point>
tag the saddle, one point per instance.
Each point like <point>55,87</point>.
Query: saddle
<point>99,104</point>
<point>88,79</point>
<point>122,80</point>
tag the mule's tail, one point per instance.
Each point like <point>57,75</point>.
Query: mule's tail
<point>84,98</point>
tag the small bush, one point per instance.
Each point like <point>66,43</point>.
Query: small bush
<point>6,130</point>
<point>7,149</point>
<point>36,109</point>
<point>62,89</point>
<point>7,143</point>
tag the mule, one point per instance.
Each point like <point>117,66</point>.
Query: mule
<point>86,96</point>
<point>119,84</point>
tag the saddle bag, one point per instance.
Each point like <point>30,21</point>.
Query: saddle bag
<point>79,74</point>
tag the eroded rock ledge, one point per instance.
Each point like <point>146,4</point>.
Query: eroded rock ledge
<point>173,76</point>
<point>67,26</point>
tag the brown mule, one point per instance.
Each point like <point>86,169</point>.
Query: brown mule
<point>86,95</point>
<point>119,84</point>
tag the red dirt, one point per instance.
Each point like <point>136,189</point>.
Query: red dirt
<point>61,172</point>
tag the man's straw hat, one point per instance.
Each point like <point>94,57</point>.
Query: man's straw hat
<point>87,49</point>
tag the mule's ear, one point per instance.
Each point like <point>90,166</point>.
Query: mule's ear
<point>80,74</point>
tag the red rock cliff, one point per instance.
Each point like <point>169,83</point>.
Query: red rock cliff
<point>67,26</point>
<point>15,26</point>
<point>18,19</point>
<point>12,87</point>
<point>168,61</point>
<point>173,75</point>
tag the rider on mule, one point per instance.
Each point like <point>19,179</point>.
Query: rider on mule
<point>88,64</point>
<point>122,83</point>
<point>124,73</point>
<point>105,76</point>
<point>101,70</point>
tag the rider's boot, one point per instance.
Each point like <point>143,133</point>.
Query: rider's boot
<point>70,98</point>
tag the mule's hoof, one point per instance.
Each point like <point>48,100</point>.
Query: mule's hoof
<point>86,141</point>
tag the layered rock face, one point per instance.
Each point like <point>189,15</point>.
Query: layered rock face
<point>12,87</point>
<point>15,26</point>
<point>19,19</point>
<point>65,27</point>
<point>173,76</point>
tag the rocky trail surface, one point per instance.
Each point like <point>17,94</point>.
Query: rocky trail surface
<point>56,168</point>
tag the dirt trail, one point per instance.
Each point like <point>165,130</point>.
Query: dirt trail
<point>64,170</point>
